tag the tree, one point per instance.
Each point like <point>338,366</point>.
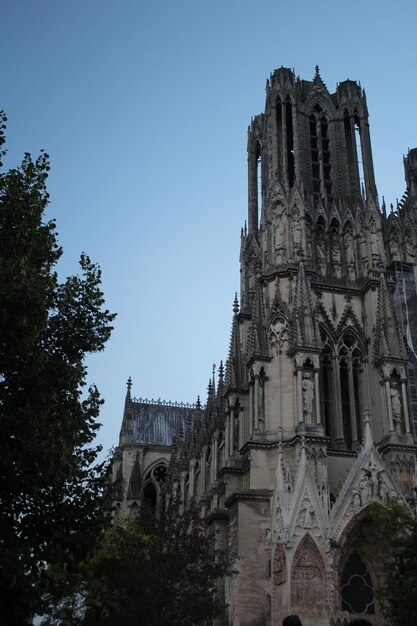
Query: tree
<point>392,528</point>
<point>156,571</point>
<point>50,481</point>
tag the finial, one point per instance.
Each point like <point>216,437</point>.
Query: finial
<point>235,304</point>
<point>198,403</point>
<point>391,206</point>
<point>317,72</point>
<point>129,384</point>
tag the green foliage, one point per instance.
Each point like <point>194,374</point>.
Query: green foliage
<point>393,528</point>
<point>50,483</point>
<point>152,572</point>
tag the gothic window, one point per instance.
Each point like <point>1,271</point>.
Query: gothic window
<point>153,484</point>
<point>315,166</point>
<point>356,588</point>
<point>328,384</point>
<point>341,380</point>
<point>359,148</point>
<point>278,121</point>
<point>290,142</point>
<point>354,149</point>
<point>349,371</point>
<point>320,154</point>
<point>258,182</point>
<point>150,496</point>
<point>349,145</point>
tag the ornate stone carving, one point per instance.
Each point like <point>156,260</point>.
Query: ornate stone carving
<point>307,588</point>
<point>308,398</point>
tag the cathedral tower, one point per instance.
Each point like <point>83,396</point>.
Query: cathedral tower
<point>312,418</point>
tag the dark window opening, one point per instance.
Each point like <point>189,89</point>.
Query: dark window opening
<point>356,375</point>
<point>258,181</point>
<point>349,143</point>
<point>278,118</point>
<point>345,403</point>
<point>290,143</point>
<point>359,150</point>
<point>356,589</point>
<point>327,390</point>
<point>150,496</point>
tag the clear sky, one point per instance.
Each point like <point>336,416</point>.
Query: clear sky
<point>143,108</point>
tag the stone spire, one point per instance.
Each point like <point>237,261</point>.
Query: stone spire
<point>388,338</point>
<point>234,366</point>
<point>257,339</point>
<point>305,330</point>
<point>126,431</point>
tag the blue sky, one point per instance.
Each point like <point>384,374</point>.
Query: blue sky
<point>143,108</point>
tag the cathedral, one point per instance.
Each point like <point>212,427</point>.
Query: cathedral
<point>313,415</point>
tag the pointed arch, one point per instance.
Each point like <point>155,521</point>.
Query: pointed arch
<point>350,356</point>
<point>359,565</point>
<point>308,576</point>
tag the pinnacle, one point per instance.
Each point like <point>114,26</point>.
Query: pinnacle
<point>235,305</point>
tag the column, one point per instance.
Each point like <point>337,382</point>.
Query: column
<point>214,457</point>
<point>340,435</point>
<point>405,406</point>
<point>256,405</point>
<point>192,479</point>
<point>231,430</point>
<point>227,436</point>
<point>284,182</point>
<point>300,393</point>
<point>317,395</point>
<point>203,469</point>
<point>352,407</point>
<point>250,407</point>
<point>389,406</point>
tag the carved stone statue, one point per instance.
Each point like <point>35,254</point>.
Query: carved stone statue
<point>297,233</point>
<point>396,409</point>
<point>335,254</point>
<point>321,257</point>
<point>375,252</point>
<point>308,518</point>
<point>279,235</point>
<point>308,398</point>
<point>409,249</point>
<point>350,254</point>
<point>394,248</point>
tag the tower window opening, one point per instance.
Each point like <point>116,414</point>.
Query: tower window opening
<point>345,402</point>
<point>320,155</point>
<point>278,119</point>
<point>349,148</point>
<point>290,143</point>
<point>359,150</point>
<point>324,129</point>
<point>315,167</point>
<point>259,181</point>
<point>327,371</point>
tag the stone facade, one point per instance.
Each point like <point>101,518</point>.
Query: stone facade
<point>314,415</point>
